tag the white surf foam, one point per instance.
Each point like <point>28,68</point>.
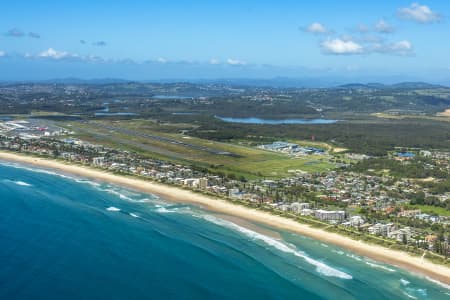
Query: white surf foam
<point>438,283</point>
<point>85,181</point>
<point>37,170</point>
<point>373,265</point>
<point>116,193</point>
<point>134,215</point>
<point>163,210</point>
<point>409,296</point>
<point>122,195</point>
<point>144,200</point>
<point>423,292</point>
<point>112,208</point>
<point>22,183</point>
<point>321,267</point>
<point>355,257</point>
<point>404,281</point>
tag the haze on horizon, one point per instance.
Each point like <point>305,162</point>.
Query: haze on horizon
<point>140,40</point>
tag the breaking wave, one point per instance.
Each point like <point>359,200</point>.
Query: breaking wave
<point>321,267</point>
<point>112,208</point>
<point>373,265</point>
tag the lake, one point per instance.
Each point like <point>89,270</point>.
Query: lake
<point>252,120</point>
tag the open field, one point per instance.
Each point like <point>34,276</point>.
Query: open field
<point>442,116</point>
<point>249,162</point>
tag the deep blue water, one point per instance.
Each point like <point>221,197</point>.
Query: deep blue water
<point>70,238</point>
<point>276,122</point>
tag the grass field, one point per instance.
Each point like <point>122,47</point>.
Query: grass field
<point>432,210</point>
<point>438,117</point>
<point>249,162</point>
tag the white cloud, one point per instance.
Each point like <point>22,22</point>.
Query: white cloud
<point>2,53</point>
<point>384,27</point>
<point>54,54</point>
<point>214,61</point>
<point>362,28</point>
<point>368,39</point>
<point>235,62</point>
<point>419,13</point>
<point>402,45</point>
<point>316,28</point>
<point>404,48</point>
<point>341,47</point>
<point>162,60</point>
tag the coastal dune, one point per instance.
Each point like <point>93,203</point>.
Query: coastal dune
<point>398,258</point>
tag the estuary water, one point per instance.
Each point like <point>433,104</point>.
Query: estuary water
<point>252,120</point>
<point>63,237</point>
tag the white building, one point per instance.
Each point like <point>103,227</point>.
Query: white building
<point>297,207</point>
<point>98,161</point>
<point>332,216</point>
<point>354,221</point>
<point>403,234</point>
<point>381,229</point>
<point>203,183</point>
<point>307,212</point>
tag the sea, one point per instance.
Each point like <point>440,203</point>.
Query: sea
<point>66,237</point>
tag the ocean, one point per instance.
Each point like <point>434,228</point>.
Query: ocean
<point>63,237</point>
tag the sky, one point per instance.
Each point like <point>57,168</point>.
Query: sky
<point>152,40</point>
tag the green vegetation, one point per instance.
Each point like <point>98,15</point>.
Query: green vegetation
<point>248,162</point>
<point>415,168</point>
<point>432,210</point>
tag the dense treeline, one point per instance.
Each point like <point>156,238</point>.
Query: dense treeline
<point>420,198</point>
<point>372,138</point>
<point>415,168</point>
<point>438,187</point>
<point>360,133</point>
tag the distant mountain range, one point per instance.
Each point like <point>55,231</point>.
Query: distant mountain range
<point>278,82</point>
<point>402,85</point>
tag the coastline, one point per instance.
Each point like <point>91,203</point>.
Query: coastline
<point>401,259</point>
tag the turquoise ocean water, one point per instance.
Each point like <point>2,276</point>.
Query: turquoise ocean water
<point>63,237</point>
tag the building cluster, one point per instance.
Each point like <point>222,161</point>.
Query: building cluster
<point>30,129</point>
<point>291,148</point>
<point>338,197</point>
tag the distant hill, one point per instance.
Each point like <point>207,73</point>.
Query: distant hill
<point>276,82</point>
<point>73,80</point>
<point>401,85</point>
<point>363,86</point>
<point>416,85</point>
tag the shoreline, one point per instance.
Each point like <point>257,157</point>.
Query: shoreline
<point>397,258</point>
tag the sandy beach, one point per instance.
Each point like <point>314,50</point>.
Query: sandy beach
<point>393,257</point>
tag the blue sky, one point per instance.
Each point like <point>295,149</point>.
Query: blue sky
<point>148,40</point>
